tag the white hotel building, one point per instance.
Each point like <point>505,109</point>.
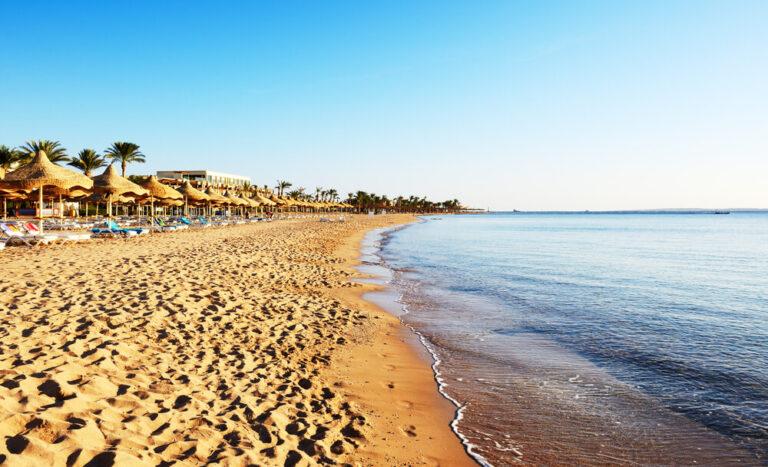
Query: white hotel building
<point>208,176</point>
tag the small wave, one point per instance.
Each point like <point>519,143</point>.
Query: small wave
<point>441,388</point>
<point>470,449</point>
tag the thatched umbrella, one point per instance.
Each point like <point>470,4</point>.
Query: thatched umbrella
<point>39,173</point>
<point>264,200</point>
<point>215,198</point>
<point>158,191</point>
<point>112,185</point>
<point>248,201</point>
<point>191,194</point>
<point>234,200</point>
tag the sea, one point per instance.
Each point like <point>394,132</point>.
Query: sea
<point>590,339</point>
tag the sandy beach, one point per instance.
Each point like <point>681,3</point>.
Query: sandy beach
<point>239,345</point>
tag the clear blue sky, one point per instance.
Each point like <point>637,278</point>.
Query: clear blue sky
<point>507,104</point>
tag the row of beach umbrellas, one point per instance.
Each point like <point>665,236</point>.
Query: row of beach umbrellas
<point>48,178</point>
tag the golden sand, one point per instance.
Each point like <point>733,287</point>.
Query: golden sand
<point>240,345</point>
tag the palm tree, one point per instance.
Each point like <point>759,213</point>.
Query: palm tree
<point>53,149</point>
<point>87,160</point>
<point>282,185</point>
<point>126,153</point>
<point>333,195</point>
<point>9,157</point>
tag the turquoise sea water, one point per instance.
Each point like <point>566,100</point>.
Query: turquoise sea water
<point>645,331</point>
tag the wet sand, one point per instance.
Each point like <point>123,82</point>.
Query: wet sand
<point>530,401</point>
<point>239,345</point>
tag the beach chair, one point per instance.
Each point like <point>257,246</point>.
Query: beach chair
<point>111,229</point>
<point>186,222</point>
<point>3,241</point>
<point>34,230</point>
<point>13,233</point>
<point>138,230</point>
<point>190,222</point>
<point>179,224</point>
<point>219,221</point>
<point>163,227</point>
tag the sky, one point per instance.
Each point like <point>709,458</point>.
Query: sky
<point>531,105</point>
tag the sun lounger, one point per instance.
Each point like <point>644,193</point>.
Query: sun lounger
<point>12,232</point>
<point>111,229</point>
<point>138,230</point>
<point>32,229</point>
<point>163,227</point>
<point>107,232</point>
<point>217,221</point>
<point>189,222</point>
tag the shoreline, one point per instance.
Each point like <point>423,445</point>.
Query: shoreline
<point>398,308</point>
<point>420,404</point>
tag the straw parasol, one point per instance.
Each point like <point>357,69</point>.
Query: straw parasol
<point>248,201</point>
<point>264,200</point>
<point>215,197</point>
<point>191,194</point>
<point>114,186</point>
<point>158,191</point>
<point>41,172</point>
<point>233,200</point>
<point>279,202</point>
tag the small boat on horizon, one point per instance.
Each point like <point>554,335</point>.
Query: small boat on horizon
<point>722,212</point>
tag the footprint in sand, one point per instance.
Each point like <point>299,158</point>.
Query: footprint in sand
<point>405,404</point>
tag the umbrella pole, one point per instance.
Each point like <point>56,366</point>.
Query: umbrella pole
<point>40,200</point>
<point>109,207</point>
<point>5,208</point>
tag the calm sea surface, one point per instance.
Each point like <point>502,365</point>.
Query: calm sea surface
<point>595,338</point>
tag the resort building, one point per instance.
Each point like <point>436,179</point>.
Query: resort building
<point>208,176</point>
